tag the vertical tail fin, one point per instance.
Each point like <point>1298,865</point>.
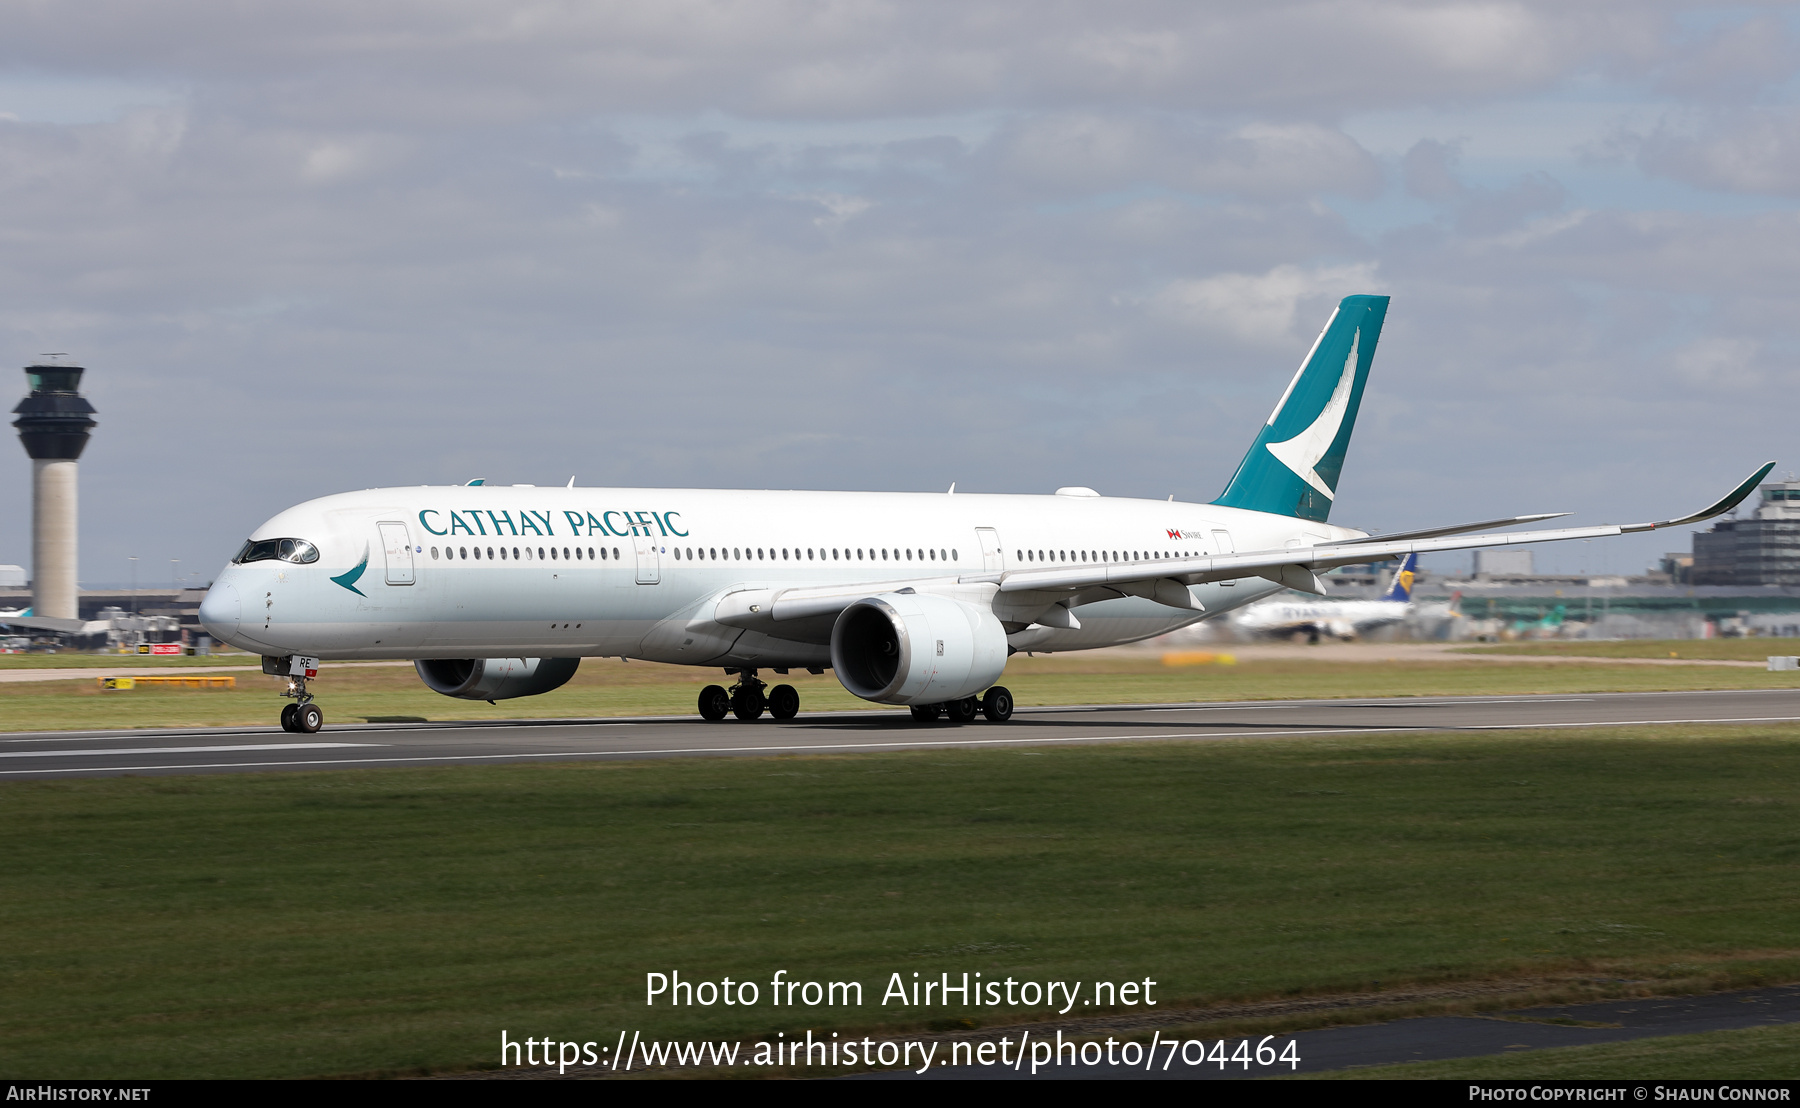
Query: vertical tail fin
<point>1401,589</point>
<point>1293,466</point>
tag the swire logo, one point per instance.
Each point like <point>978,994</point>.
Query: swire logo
<point>1177,534</point>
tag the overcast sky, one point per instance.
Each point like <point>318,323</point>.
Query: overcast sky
<point>315,247</point>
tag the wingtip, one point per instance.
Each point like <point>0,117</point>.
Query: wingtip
<point>1731,500</point>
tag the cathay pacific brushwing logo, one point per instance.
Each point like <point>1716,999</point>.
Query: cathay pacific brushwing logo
<point>349,579</point>
<point>1302,452</point>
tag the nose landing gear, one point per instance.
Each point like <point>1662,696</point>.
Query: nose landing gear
<point>302,717</point>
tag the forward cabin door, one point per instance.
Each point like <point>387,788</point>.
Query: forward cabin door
<point>649,568</point>
<point>991,559</point>
<point>398,545</point>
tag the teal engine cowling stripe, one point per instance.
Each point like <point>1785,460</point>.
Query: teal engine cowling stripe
<point>1292,468</point>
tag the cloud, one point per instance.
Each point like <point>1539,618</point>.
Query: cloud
<point>1429,170</point>
<point>1492,211</point>
<point>839,209</point>
<point>1090,152</point>
<point>1721,363</point>
<point>1747,150</point>
<point>1734,60</point>
<point>861,244</point>
<point>1261,309</point>
<point>485,60</point>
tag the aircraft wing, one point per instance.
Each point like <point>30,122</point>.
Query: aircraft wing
<point>1297,567</point>
<point>1165,580</point>
<point>1457,529</point>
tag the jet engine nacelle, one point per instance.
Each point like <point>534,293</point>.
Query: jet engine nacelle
<point>904,648</point>
<point>495,678</point>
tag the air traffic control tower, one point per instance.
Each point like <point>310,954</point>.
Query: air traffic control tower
<point>53,424</point>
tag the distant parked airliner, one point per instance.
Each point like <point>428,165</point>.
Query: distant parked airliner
<point>1343,619</point>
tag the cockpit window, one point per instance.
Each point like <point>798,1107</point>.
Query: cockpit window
<point>288,550</point>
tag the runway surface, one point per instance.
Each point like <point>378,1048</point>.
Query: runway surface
<point>1432,1038</point>
<point>53,754</point>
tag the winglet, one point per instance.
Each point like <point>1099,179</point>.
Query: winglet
<point>1730,501</point>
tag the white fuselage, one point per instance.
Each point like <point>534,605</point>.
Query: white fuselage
<point>523,571</point>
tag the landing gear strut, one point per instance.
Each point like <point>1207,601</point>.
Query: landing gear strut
<point>302,717</point>
<point>749,698</point>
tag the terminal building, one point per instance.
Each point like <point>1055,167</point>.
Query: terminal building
<point>1761,548</point>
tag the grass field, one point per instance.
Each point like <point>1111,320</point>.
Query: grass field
<point>609,687</point>
<point>1736,650</point>
<point>395,920</point>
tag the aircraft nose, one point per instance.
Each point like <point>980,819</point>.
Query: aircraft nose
<point>221,611</point>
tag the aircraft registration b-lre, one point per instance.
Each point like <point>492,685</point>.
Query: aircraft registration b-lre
<point>910,598</point>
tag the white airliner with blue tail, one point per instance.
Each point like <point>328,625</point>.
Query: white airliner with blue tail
<point>1343,619</point>
<point>909,598</point>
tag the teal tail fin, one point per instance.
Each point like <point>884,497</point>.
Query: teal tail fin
<point>1293,466</point>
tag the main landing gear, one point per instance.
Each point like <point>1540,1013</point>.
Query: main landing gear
<point>749,698</point>
<point>302,717</point>
<point>996,704</point>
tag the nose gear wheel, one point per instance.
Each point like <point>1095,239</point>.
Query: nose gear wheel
<point>302,717</point>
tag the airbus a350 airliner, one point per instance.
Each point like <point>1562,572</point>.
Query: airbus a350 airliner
<point>910,598</point>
